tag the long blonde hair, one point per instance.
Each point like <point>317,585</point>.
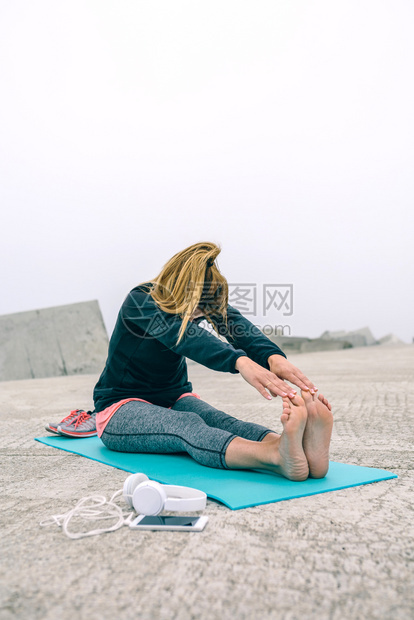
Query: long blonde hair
<point>189,279</point>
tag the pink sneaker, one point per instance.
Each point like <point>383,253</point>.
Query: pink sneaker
<point>84,425</point>
<point>52,427</point>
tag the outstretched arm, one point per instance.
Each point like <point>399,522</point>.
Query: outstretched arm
<point>142,316</point>
<point>243,334</point>
<point>264,356</point>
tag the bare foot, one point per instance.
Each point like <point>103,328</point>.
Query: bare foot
<point>317,435</point>
<point>290,459</point>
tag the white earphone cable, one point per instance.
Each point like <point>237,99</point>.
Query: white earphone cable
<point>92,508</point>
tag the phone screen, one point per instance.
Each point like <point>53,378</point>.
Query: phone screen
<point>183,521</point>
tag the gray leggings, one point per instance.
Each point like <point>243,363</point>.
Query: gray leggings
<point>191,425</point>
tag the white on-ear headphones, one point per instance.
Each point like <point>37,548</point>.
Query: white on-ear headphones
<point>148,497</point>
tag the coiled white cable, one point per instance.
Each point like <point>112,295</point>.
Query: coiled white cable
<point>97,509</point>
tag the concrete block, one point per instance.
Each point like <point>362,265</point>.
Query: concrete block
<point>63,340</point>
<point>390,339</point>
<point>297,344</point>
<point>358,338</point>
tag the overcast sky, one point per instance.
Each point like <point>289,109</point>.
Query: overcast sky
<point>283,131</point>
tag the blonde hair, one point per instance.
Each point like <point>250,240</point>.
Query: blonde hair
<point>189,279</point>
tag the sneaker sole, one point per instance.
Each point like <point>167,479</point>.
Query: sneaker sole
<point>52,429</point>
<point>74,434</point>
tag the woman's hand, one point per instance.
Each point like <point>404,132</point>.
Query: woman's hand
<point>284,369</point>
<point>263,379</point>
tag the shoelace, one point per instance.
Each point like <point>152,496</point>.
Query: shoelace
<point>83,416</point>
<point>73,414</point>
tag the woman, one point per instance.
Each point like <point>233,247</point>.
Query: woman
<point>145,403</point>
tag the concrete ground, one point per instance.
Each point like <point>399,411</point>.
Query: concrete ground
<point>341,555</point>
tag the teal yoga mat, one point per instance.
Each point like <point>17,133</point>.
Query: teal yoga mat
<point>234,488</point>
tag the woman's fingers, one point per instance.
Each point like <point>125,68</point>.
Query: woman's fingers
<point>302,382</point>
<point>263,380</point>
<point>284,369</point>
<point>279,388</point>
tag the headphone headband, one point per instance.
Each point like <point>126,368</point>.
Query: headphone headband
<point>182,499</point>
<point>150,497</point>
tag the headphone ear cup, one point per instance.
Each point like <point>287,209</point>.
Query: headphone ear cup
<point>149,498</point>
<point>130,485</point>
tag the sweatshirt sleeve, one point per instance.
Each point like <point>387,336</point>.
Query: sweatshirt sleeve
<point>142,316</point>
<point>241,333</point>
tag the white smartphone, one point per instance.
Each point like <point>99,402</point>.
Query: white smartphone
<point>182,524</point>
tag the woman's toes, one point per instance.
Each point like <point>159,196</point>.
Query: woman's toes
<point>284,418</point>
<point>324,401</point>
<point>287,408</point>
<point>306,396</point>
<point>297,400</point>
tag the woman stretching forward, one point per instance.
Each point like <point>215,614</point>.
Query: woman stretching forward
<point>145,403</point>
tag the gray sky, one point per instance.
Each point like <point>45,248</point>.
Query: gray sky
<point>282,131</point>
